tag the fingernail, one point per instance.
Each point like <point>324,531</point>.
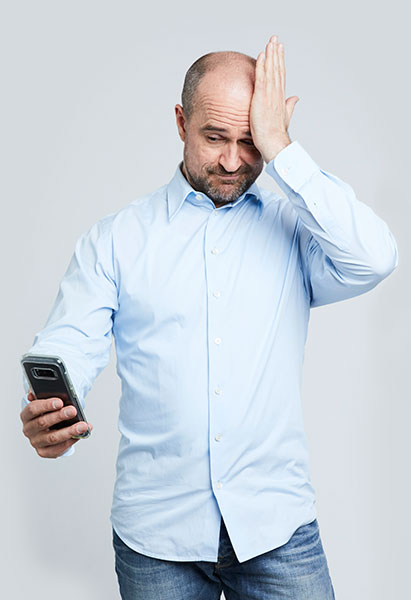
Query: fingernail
<point>69,412</point>
<point>81,428</point>
<point>56,403</point>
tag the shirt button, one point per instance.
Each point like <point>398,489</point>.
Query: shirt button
<point>284,171</point>
<point>219,485</point>
<point>214,251</point>
<point>217,294</point>
<point>218,437</point>
<point>218,341</point>
<point>218,390</point>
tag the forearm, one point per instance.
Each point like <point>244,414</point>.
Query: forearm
<point>357,241</point>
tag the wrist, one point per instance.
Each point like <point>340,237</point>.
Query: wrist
<point>276,147</point>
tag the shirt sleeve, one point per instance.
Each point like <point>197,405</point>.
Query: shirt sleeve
<point>79,327</point>
<point>346,248</point>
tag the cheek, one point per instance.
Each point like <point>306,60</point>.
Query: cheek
<point>200,155</point>
<point>253,158</point>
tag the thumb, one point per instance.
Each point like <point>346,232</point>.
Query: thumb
<point>290,105</point>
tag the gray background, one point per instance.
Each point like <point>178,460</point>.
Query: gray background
<point>88,95</point>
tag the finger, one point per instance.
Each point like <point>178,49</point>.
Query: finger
<point>31,396</point>
<point>89,426</point>
<point>277,76</point>
<point>46,420</point>
<point>57,450</point>
<point>282,66</point>
<point>259,69</point>
<point>38,407</point>
<point>276,67</point>
<point>58,436</point>
<point>269,58</point>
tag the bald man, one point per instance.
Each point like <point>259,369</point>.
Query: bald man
<point>207,285</point>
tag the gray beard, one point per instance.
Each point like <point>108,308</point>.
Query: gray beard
<point>202,184</point>
<point>215,194</point>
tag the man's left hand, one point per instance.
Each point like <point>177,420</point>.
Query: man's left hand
<point>270,113</point>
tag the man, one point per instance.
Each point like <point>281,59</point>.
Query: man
<point>207,285</point>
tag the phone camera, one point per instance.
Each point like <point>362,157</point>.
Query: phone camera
<point>40,373</point>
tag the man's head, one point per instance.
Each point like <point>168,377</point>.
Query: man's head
<point>220,159</point>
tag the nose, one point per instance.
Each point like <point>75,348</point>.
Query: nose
<point>230,158</point>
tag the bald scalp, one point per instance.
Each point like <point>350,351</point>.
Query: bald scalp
<point>230,60</point>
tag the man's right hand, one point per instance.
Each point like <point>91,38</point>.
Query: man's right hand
<point>39,415</point>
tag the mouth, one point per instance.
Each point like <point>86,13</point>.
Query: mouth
<point>228,177</point>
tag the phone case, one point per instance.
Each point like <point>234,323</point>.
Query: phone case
<point>47,377</point>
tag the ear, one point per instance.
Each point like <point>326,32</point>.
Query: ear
<point>181,121</point>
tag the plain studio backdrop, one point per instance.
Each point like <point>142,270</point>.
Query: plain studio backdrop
<point>88,95</point>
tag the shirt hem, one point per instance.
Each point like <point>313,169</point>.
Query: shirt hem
<point>242,557</point>
<point>312,515</point>
<point>142,550</point>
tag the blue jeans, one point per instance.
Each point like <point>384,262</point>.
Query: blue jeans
<point>297,570</point>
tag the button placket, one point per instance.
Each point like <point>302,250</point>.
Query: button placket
<point>214,277</point>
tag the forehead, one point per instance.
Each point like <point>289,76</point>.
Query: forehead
<point>215,114</point>
<point>223,100</point>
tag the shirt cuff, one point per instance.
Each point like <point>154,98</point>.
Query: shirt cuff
<point>292,167</point>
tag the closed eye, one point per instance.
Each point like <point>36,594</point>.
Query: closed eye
<point>213,138</point>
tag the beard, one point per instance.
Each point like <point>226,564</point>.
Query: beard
<point>218,190</point>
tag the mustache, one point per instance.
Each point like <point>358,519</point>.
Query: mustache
<point>241,171</point>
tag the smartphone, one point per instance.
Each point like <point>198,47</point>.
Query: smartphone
<point>47,377</point>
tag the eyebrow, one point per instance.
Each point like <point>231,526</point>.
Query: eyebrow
<point>220,129</point>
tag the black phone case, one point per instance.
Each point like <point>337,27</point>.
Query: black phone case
<point>57,386</point>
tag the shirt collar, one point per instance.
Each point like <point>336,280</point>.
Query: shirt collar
<point>179,189</point>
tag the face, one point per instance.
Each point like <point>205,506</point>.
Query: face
<point>220,159</point>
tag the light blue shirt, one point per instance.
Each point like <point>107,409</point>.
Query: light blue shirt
<point>209,309</point>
